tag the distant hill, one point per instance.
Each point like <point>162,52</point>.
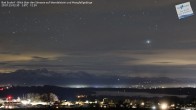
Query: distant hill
<point>83,79</point>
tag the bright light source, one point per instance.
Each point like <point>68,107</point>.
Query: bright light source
<point>1,89</point>
<point>148,41</point>
<point>142,104</point>
<point>164,106</point>
<point>25,102</point>
<point>134,106</point>
<point>173,105</point>
<point>9,97</point>
<point>87,101</point>
<point>153,107</point>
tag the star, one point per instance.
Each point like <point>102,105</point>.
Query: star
<point>48,29</point>
<point>112,13</point>
<point>148,41</point>
<point>9,12</point>
<point>80,18</point>
<point>124,15</point>
<point>13,32</point>
<point>143,13</point>
<point>156,27</point>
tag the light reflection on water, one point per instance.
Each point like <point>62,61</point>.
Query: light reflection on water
<point>132,94</point>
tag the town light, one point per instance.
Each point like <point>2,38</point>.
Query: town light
<point>142,104</point>
<point>154,107</point>
<point>164,106</point>
<point>25,102</point>
<point>1,89</point>
<point>9,97</point>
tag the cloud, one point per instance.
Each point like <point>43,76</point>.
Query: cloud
<point>3,63</point>
<point>8,53</point>
<point>14,61</point>
<point>163,62</point>
<point>162,57</point>
<point>38,58</point>
<point>12,57</point>
<point>124,63</point>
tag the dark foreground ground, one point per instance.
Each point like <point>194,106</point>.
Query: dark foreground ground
<point>81,109</point>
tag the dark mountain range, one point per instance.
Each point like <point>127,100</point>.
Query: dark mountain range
<point>45,77</point>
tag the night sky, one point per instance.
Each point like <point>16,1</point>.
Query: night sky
<point>132,38</point>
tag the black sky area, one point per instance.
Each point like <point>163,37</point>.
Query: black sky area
<point>125,38</point>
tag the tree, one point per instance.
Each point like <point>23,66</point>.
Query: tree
<point>47,97</point>
<point>50,97</point>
